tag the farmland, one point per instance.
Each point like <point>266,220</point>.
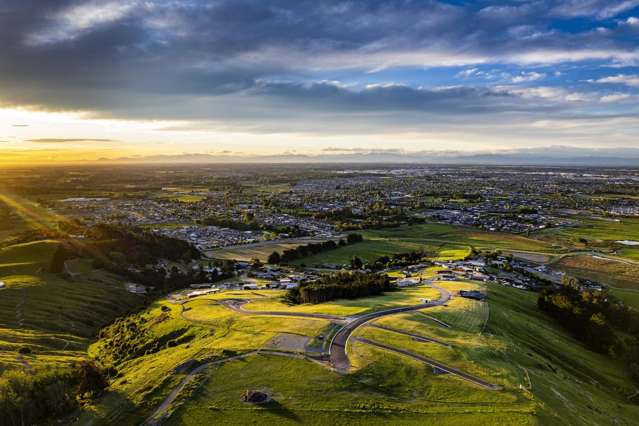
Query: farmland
<point>445,242</point>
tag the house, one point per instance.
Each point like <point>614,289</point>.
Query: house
<point>407,282</point>
<point>202,285</point>
<point>135,288</point>
<point>472,294</point>
<point>202,292</point>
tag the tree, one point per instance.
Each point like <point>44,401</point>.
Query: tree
<point>356,263</point>
<point>274,258</point>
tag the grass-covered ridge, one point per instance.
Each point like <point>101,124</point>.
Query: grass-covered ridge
<point>544,372</point>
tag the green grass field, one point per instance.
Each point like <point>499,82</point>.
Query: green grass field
<point>443,242</point>
<point>612,272</point>
<point>548,377</point>
<point>410,296</point>
<point>600,234</point>
<point>54,317</point>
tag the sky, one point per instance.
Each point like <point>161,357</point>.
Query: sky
<point>138,79</point>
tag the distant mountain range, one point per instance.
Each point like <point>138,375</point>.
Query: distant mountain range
<point>549,156</point>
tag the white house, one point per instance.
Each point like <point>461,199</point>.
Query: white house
<point>407,282</point>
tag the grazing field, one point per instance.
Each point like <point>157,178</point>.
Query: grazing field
<point>601,234</point>
<point>444,242</point>
<point>28,257</point>
<point>615,273</point>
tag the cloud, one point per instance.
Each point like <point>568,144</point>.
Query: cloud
<point>557,94</point>
<point>72,22</point>
<point>526,77</point>
<point>628,80</point>
<point>615,97</point>
<point>600,9</point>
<point>258,66</point>
<point>67,140</point>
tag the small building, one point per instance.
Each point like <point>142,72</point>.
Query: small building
<point>472,294</point>
<point>197,293</point>
<point>201,285</point>
<point>135,288</point>
<point>407,282</point>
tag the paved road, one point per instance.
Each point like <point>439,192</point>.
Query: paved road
<point>337,350</point>
<point>417,337</point>
<point>450,370</point>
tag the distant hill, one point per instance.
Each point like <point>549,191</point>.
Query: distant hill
<point>546,156</point>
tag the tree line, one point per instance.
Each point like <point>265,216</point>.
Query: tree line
<point>302,251</point>
<point>342,285</point>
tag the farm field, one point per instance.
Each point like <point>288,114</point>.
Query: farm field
<point>612,272</point>
<point>600,233</point>
<point>446,242</point>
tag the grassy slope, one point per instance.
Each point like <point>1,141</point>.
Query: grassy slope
<point>519,347</point>
<point>54,317</point>
<point>572,384</point>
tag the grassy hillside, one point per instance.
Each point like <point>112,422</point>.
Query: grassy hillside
<point>547,376</point>
<point>572,384</point>
<point>55,318</point>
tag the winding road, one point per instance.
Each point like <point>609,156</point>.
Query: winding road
<point>337,350</point>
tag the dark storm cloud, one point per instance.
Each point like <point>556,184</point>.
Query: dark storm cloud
<point>395,97</point>
<point>164,59</point>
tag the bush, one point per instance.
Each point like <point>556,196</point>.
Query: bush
<point>24,350</point>
<point>42,395</point>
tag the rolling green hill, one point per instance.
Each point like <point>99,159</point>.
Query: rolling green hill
<point>547,376</point>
